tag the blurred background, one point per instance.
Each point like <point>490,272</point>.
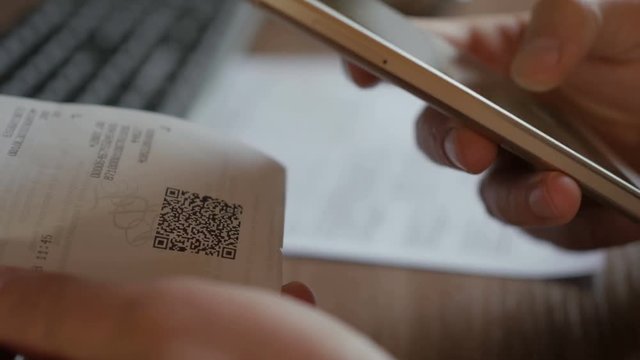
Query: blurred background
<point>397,247</point>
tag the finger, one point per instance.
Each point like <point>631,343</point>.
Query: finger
<point>447,142</point>
<point>596,226</point>
<point>68,318</point>
<point>491,39</point>
<point>560,34</point>
<point>531,199</point>
<point>56,315</point>
<point>360,76</point>
<point>299,291</point>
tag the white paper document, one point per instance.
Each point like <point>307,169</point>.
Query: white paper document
<point>126,195</point>
<point>358,188</point>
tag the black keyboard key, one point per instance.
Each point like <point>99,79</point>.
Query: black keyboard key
<point>27,79</point>
<point>36,29</point>
<point>120,23</point>
<point>70,78</point>
<point>113,77</point>
<point>154,74</point>
<point>176,99</point>
<point>147,54</point>
<point>185,32</point>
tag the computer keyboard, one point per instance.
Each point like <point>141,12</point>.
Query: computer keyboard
<point>143,54</point>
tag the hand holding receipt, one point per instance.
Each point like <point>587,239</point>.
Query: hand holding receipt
<point>174,234</point>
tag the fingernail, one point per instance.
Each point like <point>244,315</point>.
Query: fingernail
<point>541,204</point>
<point>450,141</point>
<point>300,291</point>
<point>534,61</point>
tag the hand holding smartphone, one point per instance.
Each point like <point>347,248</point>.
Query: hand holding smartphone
<point>387,44</point>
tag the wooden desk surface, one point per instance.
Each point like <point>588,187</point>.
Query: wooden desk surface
<point>426,315</point>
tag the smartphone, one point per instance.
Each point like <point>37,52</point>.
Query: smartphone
<point>385,42</point>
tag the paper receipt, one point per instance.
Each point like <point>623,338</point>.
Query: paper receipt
<point>126,195</point>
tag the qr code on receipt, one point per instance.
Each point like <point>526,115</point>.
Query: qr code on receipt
<point>198,224</point>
